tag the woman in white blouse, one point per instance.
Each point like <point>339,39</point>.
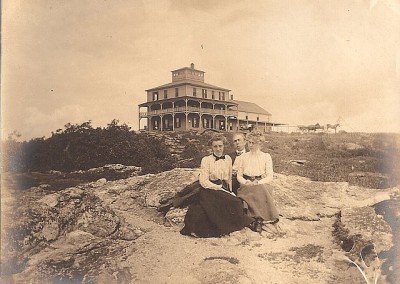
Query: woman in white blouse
<point>216,211</point>
<point>255,171</point>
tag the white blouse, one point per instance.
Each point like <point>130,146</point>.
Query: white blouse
<point>211,169</point>
<point>254,164</point>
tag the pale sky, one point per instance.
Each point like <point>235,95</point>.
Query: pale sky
<point>303,61</point>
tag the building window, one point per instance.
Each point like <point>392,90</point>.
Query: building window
<point>176,92</point>
<point>212,95</point>
<point>204,92</point>
<point>155,96</point>
<point>223,96</point>
<point>166,123</point>
<point>177,122</point>
<point>194,92</point>
<point>165,94</point>
<point>247,117</point>
<point>219,95</point>
<point>195,122</point>
<point>222,125</point>
<point>258,118</point>
<point>205,123</point>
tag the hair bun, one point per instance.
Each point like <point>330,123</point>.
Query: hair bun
<point>217,137</point>
<point>255,136</point>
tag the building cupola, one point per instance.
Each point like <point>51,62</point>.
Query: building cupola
<point>188,73</point>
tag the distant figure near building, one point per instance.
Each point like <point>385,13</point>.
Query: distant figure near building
<point>188,103</point>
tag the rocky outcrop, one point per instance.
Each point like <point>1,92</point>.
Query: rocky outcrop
<point>363,235</point>
<point>177,142</point>
<point>47,234</point>
<point>109,172</point>
<point>110,232</point>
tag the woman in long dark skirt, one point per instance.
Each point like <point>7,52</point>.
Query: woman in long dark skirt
<point>254,173</point>
<point>216,210</point>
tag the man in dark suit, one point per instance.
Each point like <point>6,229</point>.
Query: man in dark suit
<point>239,142</point>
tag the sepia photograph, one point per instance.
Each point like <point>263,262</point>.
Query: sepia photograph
<point>199,141</point>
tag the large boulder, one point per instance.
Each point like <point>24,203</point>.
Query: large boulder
<point>167,184</point>
<point>300,198</point>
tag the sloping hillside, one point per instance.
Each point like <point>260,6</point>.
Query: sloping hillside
<point>369,160</point>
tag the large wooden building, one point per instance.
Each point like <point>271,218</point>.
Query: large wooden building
<point>189,103</point>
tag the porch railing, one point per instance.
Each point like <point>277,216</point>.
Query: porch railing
<point>188,109</point>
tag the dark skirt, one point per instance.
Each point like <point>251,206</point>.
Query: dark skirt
<point>215,213</point>
<point>259,201</point>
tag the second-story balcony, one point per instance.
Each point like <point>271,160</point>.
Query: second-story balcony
<point>184,109</point>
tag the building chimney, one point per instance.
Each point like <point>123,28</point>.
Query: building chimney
<point>192,65</point>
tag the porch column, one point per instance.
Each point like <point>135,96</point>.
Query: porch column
<point>148,117</point>
<point>186,121</point>
<point>201,121</point>
<point>173,116</point>
<point>149,126</point>
<point>139,116</point>
<point>152,125</point>
<point>161,124</point>
<point>226,123</point>
<point>213,122</point>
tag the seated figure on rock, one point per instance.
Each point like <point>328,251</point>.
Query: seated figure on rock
<point>216,211</point>
<point>255,171</point>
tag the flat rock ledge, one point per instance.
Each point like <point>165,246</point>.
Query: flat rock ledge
<point>106,231</point>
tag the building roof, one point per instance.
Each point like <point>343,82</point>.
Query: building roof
<point>250,107</point>
<point>188,68</point>
<point>188,82</point>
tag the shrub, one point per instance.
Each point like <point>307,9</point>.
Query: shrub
<point>81,147</point>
